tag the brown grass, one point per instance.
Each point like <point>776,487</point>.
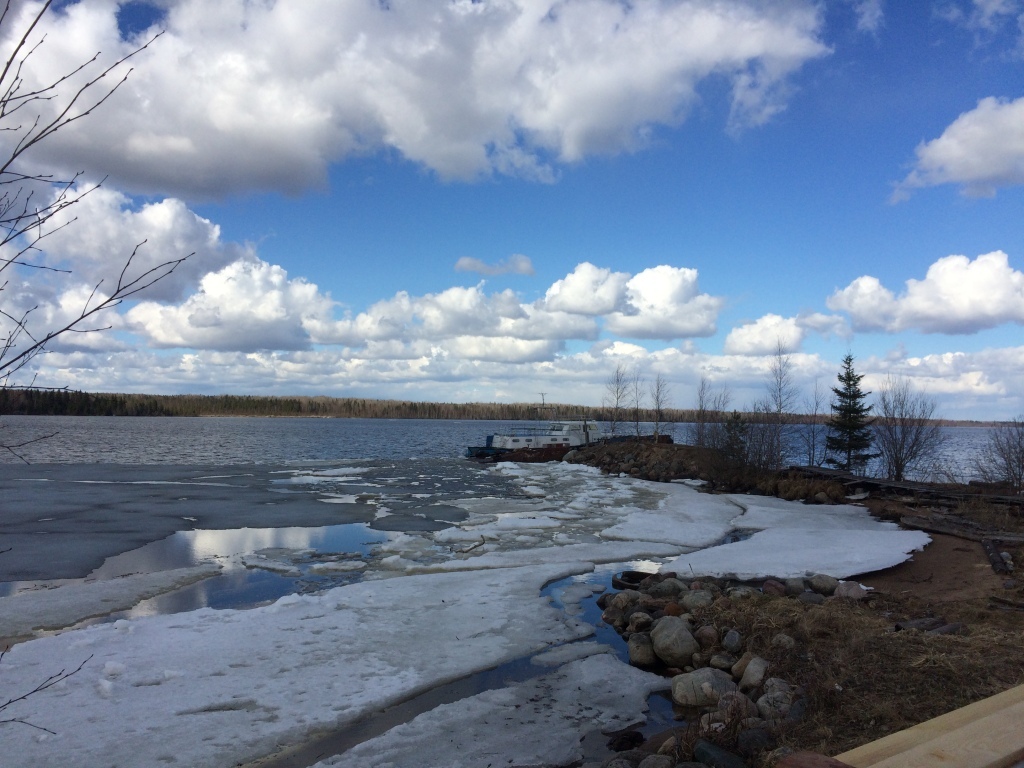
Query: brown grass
<point>863,680</point>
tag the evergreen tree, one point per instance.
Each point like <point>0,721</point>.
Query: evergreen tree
<point>849,438</point>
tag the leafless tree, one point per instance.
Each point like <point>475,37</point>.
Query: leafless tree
<point>616,390</point>
<point>812,435</point>
<point>52,680</point>
<point>33,205</point>
<point>637,395</point>
<point>906,435</point>
<point>770,433</point>
<point>661,393</point>
<point>1002,460</point>
<point>707,430</point>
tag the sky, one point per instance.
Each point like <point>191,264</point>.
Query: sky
<point>482,201</point>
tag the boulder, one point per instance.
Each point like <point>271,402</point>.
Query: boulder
<point>795,587</point>
<point>714,756</point>
<point>733,641</point>
<point>823,584</point>
<point>707,636</point>
<point>673,642</point>
<point>850,590</point>
<point>641,650</point>
<point>697,598</point>
<point>774,587</point>
<point>754,674</point>
<point>701,688</point>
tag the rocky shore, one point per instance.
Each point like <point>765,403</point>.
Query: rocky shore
<point>723,682</point>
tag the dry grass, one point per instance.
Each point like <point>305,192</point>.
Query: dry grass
<point>863,680</point>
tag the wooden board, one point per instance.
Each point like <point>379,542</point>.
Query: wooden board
<point>985,734</point>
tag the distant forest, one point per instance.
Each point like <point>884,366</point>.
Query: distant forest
<point>40,402</point>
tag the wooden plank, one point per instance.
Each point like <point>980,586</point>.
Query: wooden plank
<point>991,725</point>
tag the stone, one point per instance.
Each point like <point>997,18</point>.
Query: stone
<point>625,599</point>
<point>657,761</point>
<point>850,590</point>
<point>667,588</point>
<point>823,584</point>
<point>614,617</point>
<point>707,636</point>
<point>737,706</point>
<point>740,666</point>
<point>724,661</point>
<point>774,587</point>
<point>639,621</point>
<point>777,700</point>
<point>714,756</point>
<point>701,688</point>
<point>741,593</point>
<point>784,641</point>
<point>754,740</point>
<point>733,641</point>
<point>673,609</point>
<point>776,684</point>
<point>754,674</point>
<point>696,598</point>
<point>641,650</point>
<point>811,598</point>
<point>629,740</point>
<point>795,587</point>
<point>822,498</point>
<point>630,757</point>
<point>673,642</point>
<point>618,762</point>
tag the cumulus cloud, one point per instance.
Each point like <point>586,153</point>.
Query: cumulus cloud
<point>981,150</point>
<point>956,296</point>
<point>245,306</point>
<point>108,226</point>
<point>663,303</point>
<point>266,95</point>
<point>588,290</point>
<point>764,336</point>
<point>516,264</point>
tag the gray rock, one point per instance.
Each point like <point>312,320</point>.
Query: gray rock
<point>630,757</point>
<point>776,685</point>
<point>851,590</point>
<point>724,661</point>
<point>773,587</point>
<point>823,584</point>
<point>737,706</point>
<point>741,593</point>
<point>782,640</point>
<point>696,598</point>
<point>775,706</point>
<point>667,588</point>
<point>754,740</point>
<point>641,650</point>
<point>741,666</point>
<point>657,761</point>
<point>625,599</point>
<point>822,498</point>
<point>795,587</point>
<point>673,642</point>
<point>639,621</point>
<point>733,641</point>
<point>811,598</point>
<point>701,688</point>
<point>713,756</point>
<point>707,636</point>
<point>754,674</point>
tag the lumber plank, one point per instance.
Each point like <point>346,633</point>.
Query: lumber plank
<point>1004,709</point>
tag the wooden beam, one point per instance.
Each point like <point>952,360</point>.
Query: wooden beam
<point>985,734</point>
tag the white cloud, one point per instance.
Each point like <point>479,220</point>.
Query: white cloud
<point>957,296</point>
<point>108,226</point>
<point>244,306</point>
<point>870,14</point>
<point>663,303</point>
<point>763,336</point>
<point>266,95</point>
<point>588,290</point>
<point>981,150</point>
<point>516,264</point>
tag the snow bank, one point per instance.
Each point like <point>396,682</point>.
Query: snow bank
<point>69,604</point>
<point>538,722</point>
<point>793,552</point>
<point>214,688</point>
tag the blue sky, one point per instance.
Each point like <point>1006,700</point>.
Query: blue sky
<point>484,200</point>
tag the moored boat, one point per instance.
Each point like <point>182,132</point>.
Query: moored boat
<point>557,434</point>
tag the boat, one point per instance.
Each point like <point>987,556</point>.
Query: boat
<point>556,435</point>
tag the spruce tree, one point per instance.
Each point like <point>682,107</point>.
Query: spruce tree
<point>849,438</point>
